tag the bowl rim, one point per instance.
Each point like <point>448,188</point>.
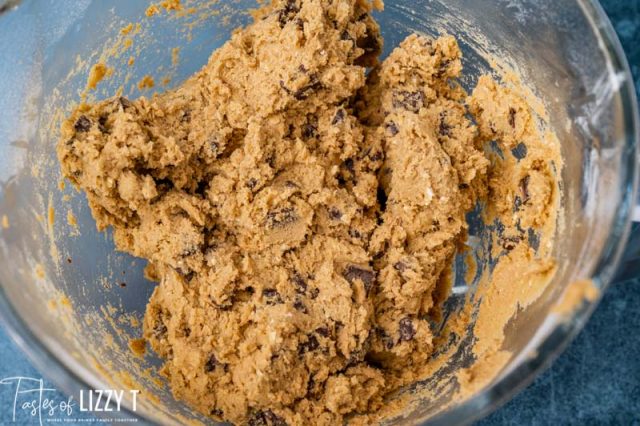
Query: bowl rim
<point>492,396</point>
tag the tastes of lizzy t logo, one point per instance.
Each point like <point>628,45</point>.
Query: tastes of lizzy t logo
<point>31,399</point>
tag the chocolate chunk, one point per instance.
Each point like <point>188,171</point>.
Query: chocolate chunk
<point>266,418</point>
<point>323,331</point>
<point>335,214</point>
<point>509,243</point>
<point>159,330</point>
<point>309,346</point>
<point>520,151</point>
<point>304,92</point>
<point>442,69</point>
<point>162,185</point>
<point>102,123</point>
<point>281,218</point>
<point>410,101</point>
<point>83,124</point>
<point>354,233</point>
<point>211,363</point>
<point>284,87</point>
<point>309,131</point>
<point>392,128</point>
<point>191,250</point>
<point>299,282</point>
<point>428,43</point>
<point>370,44</point>
<point>346,36</point>
<point>382,198</point>
<point>512,117</point>
<point>186,116</point>
<point>201,188</point>
<point>339,117</point>
<point>406,330</point>
<point>300,306</point>
<point>269,292</point>
<point>311,384</point>
<point>350,165</point>
<point>124,103</point>
<point>216,412</point>
<point>314,293</point>
<point>400,266</point>
<point>356,357</point>
<point>353,273</point>
<point>302,69</point>
<point>524,189</point>
<point>524,197</point>
<point>444,129</point>
<point>186,273</point>
<point>272,296</point>
<point>287,13</point>
<point>226,304</point>
<point>212,239</point>
<point>251,183</point>
<point>386,339</point>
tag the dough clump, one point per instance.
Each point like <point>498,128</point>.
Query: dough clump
<point>299,213</point>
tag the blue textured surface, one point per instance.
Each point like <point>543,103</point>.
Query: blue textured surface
<point>596,381</point>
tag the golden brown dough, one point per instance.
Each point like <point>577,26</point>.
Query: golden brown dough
<point>300,217</point>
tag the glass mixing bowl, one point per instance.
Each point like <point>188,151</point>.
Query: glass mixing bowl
<point>62,286</point>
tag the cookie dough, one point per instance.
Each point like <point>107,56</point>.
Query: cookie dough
<point>299,213</point>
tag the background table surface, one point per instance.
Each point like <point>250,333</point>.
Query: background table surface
<point>596,381</point>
